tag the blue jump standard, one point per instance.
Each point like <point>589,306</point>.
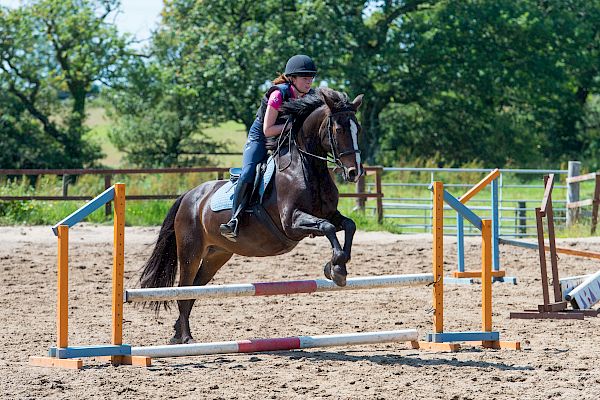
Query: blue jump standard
<point>86,210</point>
<point>463,337</point>
<point>90,351</point>
<point>463,211</point>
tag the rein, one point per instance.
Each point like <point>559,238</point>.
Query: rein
<point>336,156</point>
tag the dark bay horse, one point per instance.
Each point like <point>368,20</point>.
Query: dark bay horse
<point>302,200</point>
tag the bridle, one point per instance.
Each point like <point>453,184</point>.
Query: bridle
<point>336,155</point>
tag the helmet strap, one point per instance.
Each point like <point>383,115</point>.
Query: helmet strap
<point>296,87</point>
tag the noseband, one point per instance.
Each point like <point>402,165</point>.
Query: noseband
<point>334,146</point>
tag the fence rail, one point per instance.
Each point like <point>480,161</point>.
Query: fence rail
<point>408,204</point>
<point>108,174</point>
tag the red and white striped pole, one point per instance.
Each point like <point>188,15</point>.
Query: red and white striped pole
<point>275,344</point>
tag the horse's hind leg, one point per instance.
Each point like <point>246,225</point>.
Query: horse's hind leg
<point>212,261</point>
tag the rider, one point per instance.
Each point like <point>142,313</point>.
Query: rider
<point>295,82</point>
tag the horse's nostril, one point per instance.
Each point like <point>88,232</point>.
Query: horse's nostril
<point>352,174</point>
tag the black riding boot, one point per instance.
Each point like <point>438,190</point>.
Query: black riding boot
<point>241,198</point>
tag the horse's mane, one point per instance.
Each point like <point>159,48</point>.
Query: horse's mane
<point>301,108</point>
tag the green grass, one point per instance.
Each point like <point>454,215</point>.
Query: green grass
<point>231,133</point>
<point>234,135</point>
<point>100,125</point>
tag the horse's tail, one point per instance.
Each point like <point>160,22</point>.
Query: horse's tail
<point>161,268</point>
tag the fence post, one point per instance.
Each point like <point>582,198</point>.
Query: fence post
<point>65,185</point>
<point>522,213</point>
<point>595,203</point>
<point>107,184</point>
<point>360,188</point>
<point>573,192</point>
<point>378,173</point>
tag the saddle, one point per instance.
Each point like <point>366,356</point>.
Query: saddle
<point>222,199</point>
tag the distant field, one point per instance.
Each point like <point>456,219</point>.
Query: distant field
<point>232,133</point>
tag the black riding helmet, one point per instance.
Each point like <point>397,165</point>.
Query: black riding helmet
<point>300,65</point>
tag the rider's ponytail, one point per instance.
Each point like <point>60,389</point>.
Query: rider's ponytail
<point>280,79</point>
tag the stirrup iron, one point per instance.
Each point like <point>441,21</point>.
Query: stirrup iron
<point>227,231</point>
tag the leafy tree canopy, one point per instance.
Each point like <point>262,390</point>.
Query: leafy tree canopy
<point>49,47</point>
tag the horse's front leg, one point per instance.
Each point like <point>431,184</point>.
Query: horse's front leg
<point>344,223</point>
<point>309,224</point>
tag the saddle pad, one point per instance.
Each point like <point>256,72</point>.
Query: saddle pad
<point>222,199</point>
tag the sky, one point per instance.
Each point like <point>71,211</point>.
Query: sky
<point>137,17</point>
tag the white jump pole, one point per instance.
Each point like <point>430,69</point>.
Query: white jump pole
<point>273,288</point>
<point>275,344</point>
<point>587,294</point>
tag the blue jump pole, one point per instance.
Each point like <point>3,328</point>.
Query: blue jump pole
<point>495,227</point>
<point>460,241</point>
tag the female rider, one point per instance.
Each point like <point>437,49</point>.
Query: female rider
<point>295,82</point>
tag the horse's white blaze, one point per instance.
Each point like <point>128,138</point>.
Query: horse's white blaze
<point>354,131</point>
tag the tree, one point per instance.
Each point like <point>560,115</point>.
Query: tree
<point>366,44</point>
<point>49,46</point>
<point>208,63</point>
<point>22,142</point>
<point>156,123</point>
<point>501,83</point>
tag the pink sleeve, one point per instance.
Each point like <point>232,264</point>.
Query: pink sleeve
<point>275,100</point>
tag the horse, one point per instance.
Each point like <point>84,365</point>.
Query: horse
<point>301,201</point>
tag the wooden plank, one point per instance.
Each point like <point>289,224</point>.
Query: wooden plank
<point>118,264</point>
<point>542,255</point>
<point>422,345</point>
<point>479,186</point>
<point>549,184</point>
<point>545,315</point>
<point>553,255</point>
<point>558,306</point>
<point>581,203</point>
<point>438,256</point>
<point>486,275</point>
<point>581,178</point>
<point>136,361</point>
<point>563,250</point>
<point>70,363</point>
<point>62,306</point>
<point>579,253</point>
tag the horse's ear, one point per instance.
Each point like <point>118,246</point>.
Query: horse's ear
<point>327,99</point>
<point>357,101</point>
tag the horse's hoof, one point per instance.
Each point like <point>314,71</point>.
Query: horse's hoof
<point>175,340</point>
<point>327,271</point>
<point>188,340</point>
<point>339,280</point>
<point>337,274</point>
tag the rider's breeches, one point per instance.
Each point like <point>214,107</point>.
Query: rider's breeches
<point>254,152</point>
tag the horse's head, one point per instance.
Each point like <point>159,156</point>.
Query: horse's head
<point>339,135</point>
